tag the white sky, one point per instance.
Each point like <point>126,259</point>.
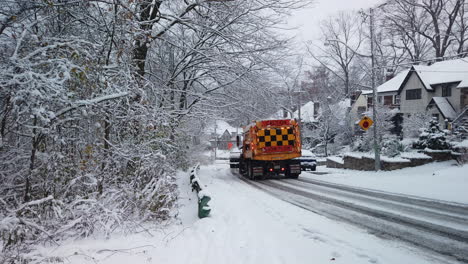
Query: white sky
<point>308,19</point>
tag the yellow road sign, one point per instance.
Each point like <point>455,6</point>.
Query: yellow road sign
<point>365,123</point>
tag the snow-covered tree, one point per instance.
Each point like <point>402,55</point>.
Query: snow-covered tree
<point>97,100</point>
<point>432,138</point>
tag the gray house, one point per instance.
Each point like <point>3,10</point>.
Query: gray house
<point>440,90</point>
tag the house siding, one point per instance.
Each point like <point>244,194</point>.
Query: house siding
<point>434,110</point>
<point>454,99</point>
<point>360,101</point>
<point>414,106</point>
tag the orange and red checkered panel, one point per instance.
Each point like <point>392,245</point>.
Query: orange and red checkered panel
<point>276,137</point>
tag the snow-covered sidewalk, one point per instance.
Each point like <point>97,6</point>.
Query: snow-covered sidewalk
<point>247,225</point>
<point>438,180</point>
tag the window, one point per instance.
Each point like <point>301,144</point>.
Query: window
<point>446,90</point>
<point>361,109</point>
<point>369,102</point>
<point>388,100</point>
<point>413,94</point>
<point>396,100</point>
<point>379,99</point>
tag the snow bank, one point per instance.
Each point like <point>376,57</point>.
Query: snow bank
<point>414,155</point>
<point>463,144</point>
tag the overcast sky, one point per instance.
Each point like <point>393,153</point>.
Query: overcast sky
<point>308,20</point>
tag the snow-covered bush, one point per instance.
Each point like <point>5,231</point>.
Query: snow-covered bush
<point>392,147</point>
<point>432,138</point>
<point>362,143</point>
<point>414,124</point>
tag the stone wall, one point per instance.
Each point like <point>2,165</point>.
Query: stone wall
<point>358,163</point>
<point>333,164</point>
<point>440,155</point>
<point>368,163</point>
<point>395,165</point>
<point>419,161</point>
<point>461,155</point>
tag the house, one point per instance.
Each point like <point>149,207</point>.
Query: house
<point>360,102</point>
<point>440,90</point>
<point>309,113</point>
<point>387,95</point>
<point>388,92</point>
<point>222,134</point>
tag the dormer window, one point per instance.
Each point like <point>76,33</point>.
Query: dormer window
<point>446,90</point>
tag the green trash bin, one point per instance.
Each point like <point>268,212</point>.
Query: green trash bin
<point>203,207</point>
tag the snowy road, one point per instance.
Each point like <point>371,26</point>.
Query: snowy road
<point>249,225</point>
<point>437,226</point>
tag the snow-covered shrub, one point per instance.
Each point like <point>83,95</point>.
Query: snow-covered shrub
<point>392,147</point>
<point>363,143</point>
<point>414,124</point>
<point>432,138</point>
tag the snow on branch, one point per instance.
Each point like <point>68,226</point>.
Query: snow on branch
<point>94,101</point>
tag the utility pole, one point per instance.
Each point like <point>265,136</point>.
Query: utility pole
<point>374,94</point>
<point>216,139</point>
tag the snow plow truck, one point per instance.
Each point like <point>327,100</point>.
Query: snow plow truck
<point>269,148</point>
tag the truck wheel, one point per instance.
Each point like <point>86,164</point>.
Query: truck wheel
<point>241,168</point>
<point>293,176</point>
<point>250,172</point>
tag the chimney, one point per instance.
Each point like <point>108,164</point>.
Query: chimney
<point>389,74</point>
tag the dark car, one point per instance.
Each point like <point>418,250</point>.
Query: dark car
<point>308,161</point>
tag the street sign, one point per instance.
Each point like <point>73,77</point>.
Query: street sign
<point>365,123</point>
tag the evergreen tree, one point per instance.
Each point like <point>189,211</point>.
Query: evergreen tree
<point>432,138</point>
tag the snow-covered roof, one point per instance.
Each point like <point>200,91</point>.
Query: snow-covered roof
<point>393,84</point>
<point>221,127</point>
<point>444,72</point>
<point>366,92</point>
<point>307,112</point>
<point>444,107</point>
<point>440,72</point>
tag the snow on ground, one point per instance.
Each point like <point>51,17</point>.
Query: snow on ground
<point>438,180</point>
<point>247,225</point>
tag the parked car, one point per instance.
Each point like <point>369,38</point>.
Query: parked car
<point>308,160</point>
<point>234,157</point>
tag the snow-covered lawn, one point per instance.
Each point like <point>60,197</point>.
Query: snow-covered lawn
<point>438,180</point>
<point>246,226</point>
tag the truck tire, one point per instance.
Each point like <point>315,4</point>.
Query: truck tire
<point>250,171</point>
<point>294,176</point>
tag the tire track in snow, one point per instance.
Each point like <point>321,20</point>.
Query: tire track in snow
<point>452,208</point>
<point>436,238</point>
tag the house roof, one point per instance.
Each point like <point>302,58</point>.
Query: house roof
<point>393,84</point>
<point>444,106</point>
<point>450,71</point>
<point>221,127</point>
